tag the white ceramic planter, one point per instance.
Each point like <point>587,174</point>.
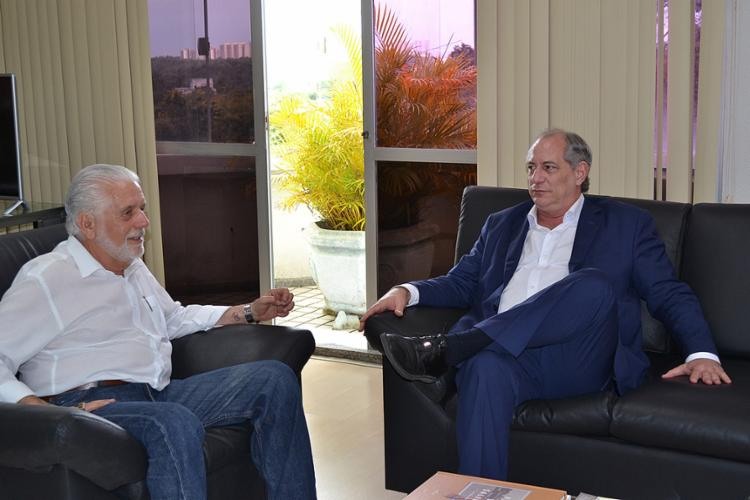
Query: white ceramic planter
<point>337,260</point>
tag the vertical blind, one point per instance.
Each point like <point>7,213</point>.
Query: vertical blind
<point>590,66</point>
<point>83,74</point>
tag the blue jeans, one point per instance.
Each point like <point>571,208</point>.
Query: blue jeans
<point>171,426</point>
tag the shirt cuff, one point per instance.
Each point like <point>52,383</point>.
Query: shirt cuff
<point>702,355</point>
<point>13,391</point>
<point>413,294</point>
<point>215,313</point>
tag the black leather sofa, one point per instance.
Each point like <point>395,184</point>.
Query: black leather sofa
<point>664,440</point>
<point>64,453</point>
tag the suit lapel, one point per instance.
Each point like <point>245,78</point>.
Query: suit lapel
<point>515,247</point>
<point>588,225</point>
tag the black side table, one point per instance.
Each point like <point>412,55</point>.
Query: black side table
<point>37,213</point>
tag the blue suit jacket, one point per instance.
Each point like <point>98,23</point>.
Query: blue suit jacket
<point>616,238</point>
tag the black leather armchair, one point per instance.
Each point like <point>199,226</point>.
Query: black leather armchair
<point>664,440</point>
<point>64,453</point>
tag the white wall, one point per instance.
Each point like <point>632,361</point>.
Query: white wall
<point>735,138</point>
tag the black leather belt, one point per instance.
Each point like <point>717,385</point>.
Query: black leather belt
<point>90,385</point>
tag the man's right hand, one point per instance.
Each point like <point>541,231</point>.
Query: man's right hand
<point>394,300</point>
<point>88,406</point>
<point>32,400</point>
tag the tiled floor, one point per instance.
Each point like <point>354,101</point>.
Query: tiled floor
<point>331,338</point>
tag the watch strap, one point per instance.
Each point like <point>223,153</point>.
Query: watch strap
<point>247,310</point>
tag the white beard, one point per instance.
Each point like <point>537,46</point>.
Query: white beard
<point>123,252</point>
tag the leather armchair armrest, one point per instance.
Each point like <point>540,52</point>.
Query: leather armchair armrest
<point>235,344</point>
<point>36,438</point>
<point>415,321</point>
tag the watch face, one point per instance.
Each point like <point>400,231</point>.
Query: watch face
<point>247,309</point>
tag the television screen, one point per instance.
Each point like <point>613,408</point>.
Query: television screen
<point>10,159</point>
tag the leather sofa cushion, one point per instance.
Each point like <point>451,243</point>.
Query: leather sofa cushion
<point>715,265</point>
<point>711,420</point>
<point>18,248</point>
<point>587,415</point>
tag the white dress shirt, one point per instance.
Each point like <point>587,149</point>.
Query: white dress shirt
<point>544,261</point>
<point>67,321</point>
<point>544,258</point>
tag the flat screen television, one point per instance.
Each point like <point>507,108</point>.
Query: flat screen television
<point>10,152</point>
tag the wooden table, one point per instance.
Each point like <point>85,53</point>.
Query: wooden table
<point>444,485</point>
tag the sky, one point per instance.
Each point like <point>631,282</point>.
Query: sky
<point>301,50</point>
<point>176,24</point>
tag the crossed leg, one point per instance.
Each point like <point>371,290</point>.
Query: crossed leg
<point>559,343</point>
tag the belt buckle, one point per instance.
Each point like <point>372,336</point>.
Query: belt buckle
<point>89,385</point>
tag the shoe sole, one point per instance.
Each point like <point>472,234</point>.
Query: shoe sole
<point>426,379</point>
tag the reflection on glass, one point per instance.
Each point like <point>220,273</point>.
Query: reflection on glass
<point>202,91</point>
<point>425,74</point>
<point>209,227</point>
<point>418,209</point>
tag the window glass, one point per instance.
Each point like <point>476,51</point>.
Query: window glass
<point>202,91</point>
<point>425,73</point>
<point>208,193</point>
<point>418,209</point>
<point>209,228</point>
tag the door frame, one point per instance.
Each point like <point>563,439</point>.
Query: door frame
<point>262,161</point>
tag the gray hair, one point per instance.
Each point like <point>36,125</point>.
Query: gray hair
<point>576,150</point>
<point>87,191</point>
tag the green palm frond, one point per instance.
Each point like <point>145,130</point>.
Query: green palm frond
<point>320,146</point>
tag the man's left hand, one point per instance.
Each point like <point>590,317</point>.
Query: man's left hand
<point>704,370</point>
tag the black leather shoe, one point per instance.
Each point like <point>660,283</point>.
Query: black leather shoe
<point>420,359</point>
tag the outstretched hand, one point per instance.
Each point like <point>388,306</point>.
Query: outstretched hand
<point>394,300</point>
<point>274,303</point>
<point>704,370</point>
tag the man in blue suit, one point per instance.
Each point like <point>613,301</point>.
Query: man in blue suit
<point>553,287</point>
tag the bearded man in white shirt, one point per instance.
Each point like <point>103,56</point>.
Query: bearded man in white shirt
<point>92,329</point>
<point>553,287</point>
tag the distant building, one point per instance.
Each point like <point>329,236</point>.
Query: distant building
<point>199,83</point>
<point>230,50</point>
<point>234,50</point>
<point>188,54</point>
<point>196,83</point>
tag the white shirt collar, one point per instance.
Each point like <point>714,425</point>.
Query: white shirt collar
<point>570,217</point>
<point>86,263</point>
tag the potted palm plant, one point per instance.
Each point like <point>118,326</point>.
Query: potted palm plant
<point>318,143</point>
<point>422,101</point>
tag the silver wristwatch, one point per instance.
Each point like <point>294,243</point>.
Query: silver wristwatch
<point>248,311</point>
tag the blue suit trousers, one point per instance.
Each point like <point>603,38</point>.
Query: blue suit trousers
<point>558,343</point>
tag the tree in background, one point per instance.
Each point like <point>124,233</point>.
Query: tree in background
<point>181,99</point>
<point>422,101</point>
